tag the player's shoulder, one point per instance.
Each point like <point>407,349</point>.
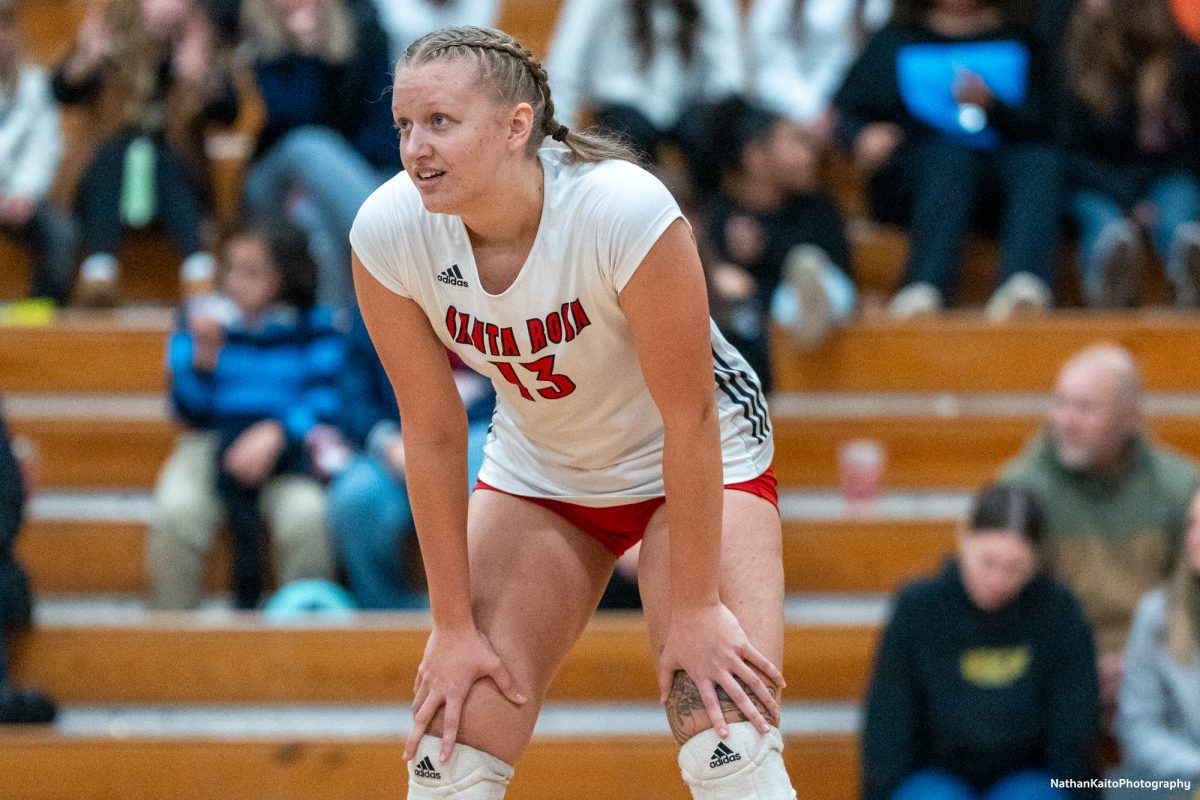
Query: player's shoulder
<point>397,200</point>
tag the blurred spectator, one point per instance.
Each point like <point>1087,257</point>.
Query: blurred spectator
<point>801,49</point>
<point>253,374</point>
<point>944,112</point>
<point>16,604</point>
<point>151,72</point>
<point>646,67</point>
<point>369,515</point>
<point>30,148</point>
<point>1158,720</point>
<point>770,222</point>
<point>1130,122</point>
<point>328,140</point>
<point>1115,502</point>
<point>405,21</point>
<point>985,682</point>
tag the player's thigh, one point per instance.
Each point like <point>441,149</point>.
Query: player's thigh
<point>751,572</point>
<point>535,583</point>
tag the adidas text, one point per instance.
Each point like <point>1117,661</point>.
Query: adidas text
<point>723,755</point>
<point>453,277</point>
<point>425,770</point>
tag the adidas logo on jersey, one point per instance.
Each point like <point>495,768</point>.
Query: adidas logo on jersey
<point>453,277</point>
<point>723,755</point>
<point>425,769</point>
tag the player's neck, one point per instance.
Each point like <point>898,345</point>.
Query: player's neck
<point>511,215</point>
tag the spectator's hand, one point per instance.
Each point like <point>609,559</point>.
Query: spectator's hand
<point>394,452</point>
<point>455,658</point>
<point>731,282</point>
<point>208,337</point>
<point>93,44</point>
<point>1111,667</point>
<point>193,53</point>
<point>303,22</point>
<point>1145,214</point>
<point>820,130</point>
<point>745,239</point>
<point>710,646</point>
<point>17,211</point>
<point>875,144</point>
<point>970,88</point>
<point>253,455</point>
<point>627,564</point>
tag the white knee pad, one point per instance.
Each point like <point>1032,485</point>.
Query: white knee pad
<point>746,766</point>
<point>470,774</point>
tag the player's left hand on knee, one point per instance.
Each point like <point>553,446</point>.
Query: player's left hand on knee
<point>709,645</point>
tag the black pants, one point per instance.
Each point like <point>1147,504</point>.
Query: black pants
<point>247,530</point>
<point>16,606</point>
<point>1015,190</point>
<point>98,200</point>
<point>50,236</point>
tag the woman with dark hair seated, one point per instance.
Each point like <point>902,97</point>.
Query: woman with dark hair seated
<point>985,683</point>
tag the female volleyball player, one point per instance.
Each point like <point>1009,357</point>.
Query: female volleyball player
<point>567,275</point>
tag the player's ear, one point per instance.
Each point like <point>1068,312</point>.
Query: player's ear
<point>520,126</point>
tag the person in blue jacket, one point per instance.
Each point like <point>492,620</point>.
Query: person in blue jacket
<point>369,515</point>
<point>253,372</point>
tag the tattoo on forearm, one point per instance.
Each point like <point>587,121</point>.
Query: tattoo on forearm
<point>686,713</point>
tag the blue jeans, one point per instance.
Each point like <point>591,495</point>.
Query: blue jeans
<point>369,519</point>
<point>333,180</point>
<point>1176,196</point>
<point>931,784</point>
<point>952,184</point>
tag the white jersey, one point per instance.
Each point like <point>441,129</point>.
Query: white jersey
<point>574,419</point>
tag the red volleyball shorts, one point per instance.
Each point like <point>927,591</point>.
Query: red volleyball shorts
<point>619,528</point>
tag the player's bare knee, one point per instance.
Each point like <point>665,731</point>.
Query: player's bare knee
<point>688,716</point>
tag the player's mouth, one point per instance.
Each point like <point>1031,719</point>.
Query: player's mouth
<point>427,177</point>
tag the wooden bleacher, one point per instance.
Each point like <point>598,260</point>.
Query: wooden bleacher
<point>869,555</point>
<point>169,657</point>
<point>47,767</point>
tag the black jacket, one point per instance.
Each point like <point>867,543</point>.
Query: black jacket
<point>14,588</point>
<point>980,695</point>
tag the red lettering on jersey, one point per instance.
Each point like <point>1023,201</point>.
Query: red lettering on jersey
<point>554,327</point>
<point>464,328</point>
<point>579,316</point>
<point>537,334</point>
<point>451,319</point>
<point>508,343</point>
<point>492,332</point>
<point>477,336</point>
<point>568,331</point>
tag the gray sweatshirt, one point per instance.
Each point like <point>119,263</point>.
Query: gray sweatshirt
<point>1158,719</point>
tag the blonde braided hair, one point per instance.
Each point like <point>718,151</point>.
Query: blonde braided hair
<point>518,78</point>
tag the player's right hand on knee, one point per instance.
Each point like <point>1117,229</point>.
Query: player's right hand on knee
<point>455,658</point>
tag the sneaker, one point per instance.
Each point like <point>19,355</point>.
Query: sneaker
<point>915,300</point>
<point>1118,254</point>
<point>801,304</point>
<point>97,284</point>
<point>26,706</point>
<point>1023,293</point>
<point>1183,265</point>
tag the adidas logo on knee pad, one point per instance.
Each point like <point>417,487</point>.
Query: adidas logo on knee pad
<point>424,769</point>
<point>723,755</point>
